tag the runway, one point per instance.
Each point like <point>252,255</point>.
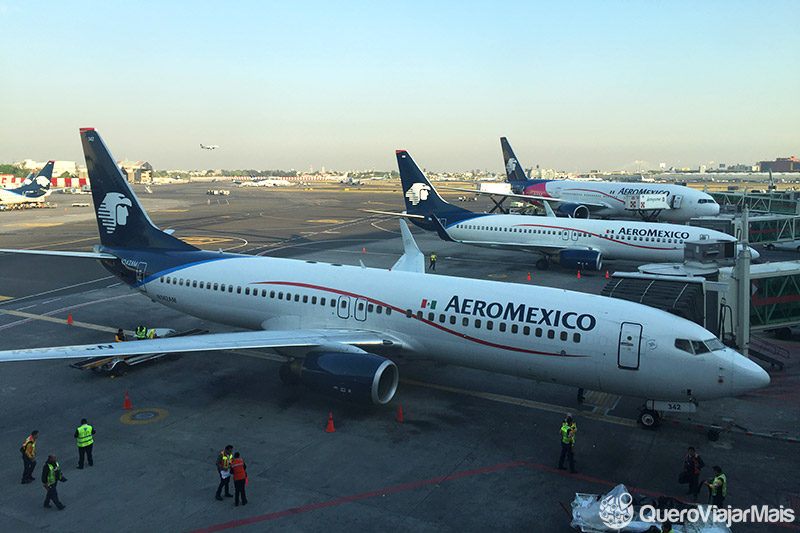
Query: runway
<point>475,452</point>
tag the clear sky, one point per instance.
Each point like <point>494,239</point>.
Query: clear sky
<point>292,84</point>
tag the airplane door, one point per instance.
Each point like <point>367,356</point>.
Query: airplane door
<point>360,312</point>
<point>630,340</point>
<point>343,307</point>
<point>676,202</point>
<point>141,274</point>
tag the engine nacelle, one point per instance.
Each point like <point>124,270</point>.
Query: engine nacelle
<point>573,210</point>
<point>580,259</point>
<point>362,378</point>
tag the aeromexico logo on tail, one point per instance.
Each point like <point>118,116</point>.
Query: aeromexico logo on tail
<point>418,193</point>
<point>511,165</point>
<point>113,211</point>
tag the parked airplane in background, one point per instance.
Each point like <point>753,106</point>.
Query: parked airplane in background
<point>608,199</point>
<point>336,326</point>
<point>574,243</point>
<point>32,190</point>
<point>209,147</point>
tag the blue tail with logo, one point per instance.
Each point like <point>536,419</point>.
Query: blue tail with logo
<point>422,199</point>
<point>121,220</point>
<point>39,185</point>
<point>515,174</point>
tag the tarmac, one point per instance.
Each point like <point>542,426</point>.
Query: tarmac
<point>475,451</point>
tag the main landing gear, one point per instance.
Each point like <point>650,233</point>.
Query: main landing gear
<point>650,419</point>
<point>543,263</point>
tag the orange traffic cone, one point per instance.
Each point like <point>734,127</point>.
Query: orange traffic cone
<point>579,274</point>
<point>363,250</point>
<point>529,276</point>
<point>606,274</point>
<point>330,428</point>
<point>400,414</point>
<point>69,318</point>
<point>127,404</point>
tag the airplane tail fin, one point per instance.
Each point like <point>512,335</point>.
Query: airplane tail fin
<point>39,183</point>
<point>121,219</point>
<point>514,171</point>
<point>420,196</point>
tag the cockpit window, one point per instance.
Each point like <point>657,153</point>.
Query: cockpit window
<point>715,344</point>
<point>700,347</point>
<point>685,345</point>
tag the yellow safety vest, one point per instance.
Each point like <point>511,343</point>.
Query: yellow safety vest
<point>226,460</point>
<point>724,485</point>
<point>141,332</point>
<point>51,475</point>
<point>85,436</point>
<point>32,442</point>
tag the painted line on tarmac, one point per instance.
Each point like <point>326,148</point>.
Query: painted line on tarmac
<point>54,290</point>
<point>417,484</point>
<point>526,403</point>
<point>29,317</point>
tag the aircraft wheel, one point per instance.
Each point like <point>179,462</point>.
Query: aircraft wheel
<point>713,435</point>
<point>770,246</point>
<point>649,419</point>
<point>288,377</point>
<point>542,264</point>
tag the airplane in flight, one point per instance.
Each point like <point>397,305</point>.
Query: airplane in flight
<point>209,147</point>
<point>572,242</point>
<point>32,190</point>
<point>606,199</point>
<point>337,327</point>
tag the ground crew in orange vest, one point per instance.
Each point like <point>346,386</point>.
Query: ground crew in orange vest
<point>239,473</point>
<point>224,469</point>
<point>84,436</point>
<point>28,454</point>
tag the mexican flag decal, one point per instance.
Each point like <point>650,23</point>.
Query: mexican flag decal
<point>428,304</point>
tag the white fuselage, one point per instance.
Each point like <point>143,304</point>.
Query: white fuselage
<point>615,239</point>
<point>10,198</point>
<point>541,333</point>
<point>686,203</point>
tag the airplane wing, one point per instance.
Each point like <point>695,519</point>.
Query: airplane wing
<point>82,255</point>
<point>310,338</point>
<point>530,197</point>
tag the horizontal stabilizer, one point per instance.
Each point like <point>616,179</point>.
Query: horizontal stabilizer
<point>81,255</point>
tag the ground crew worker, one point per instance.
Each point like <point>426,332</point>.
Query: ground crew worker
<point>433,261</point>
<point>692,465</point>
<point>223,468</point>
<point>151,334</point>
<point>666,527</point>
<point>141,333</point>
<point>120,336</point>
<point>28,457</point>
<point>719,487</point>
<point>51,475</point>
<point>239,473</point>
<point>85,442</point>
<point>568,430</point>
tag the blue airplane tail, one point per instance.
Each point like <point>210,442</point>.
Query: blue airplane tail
<point>37,185</point>
<point>121,220</point>
<point>422,199</point>
<point>514,170</point>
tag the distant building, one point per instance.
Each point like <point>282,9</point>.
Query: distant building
<point>781,164</point>
<point>137,171</point>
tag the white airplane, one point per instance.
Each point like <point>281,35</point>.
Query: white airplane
<point>33,189</point>
<point>572,242</point>
<point>209,147</point>
<point>336,327</point>
<point>579,199</point>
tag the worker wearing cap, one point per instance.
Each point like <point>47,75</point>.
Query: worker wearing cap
<point>568,430</point>
<point>84,437</point>
<point>28,457</point>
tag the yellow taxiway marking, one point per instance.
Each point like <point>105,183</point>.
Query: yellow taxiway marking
<point>200,241</point>
<point>143,416</point>
<point>58,320</point>
<point>37,224</point>
<point>525,403</point>
<point>3,298</point>
<point>328,221</point>
<point>498,276</point>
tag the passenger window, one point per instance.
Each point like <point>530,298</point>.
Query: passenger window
<point>551,334</point>
<point>452,319</point>
<point>161,279</point>
<point>180,282</point>
<point>305,298</point>
<point>322,301</point>
<point>489,324</point>
<point>313,299</point>
<point>333,302</point>
<point>194,284</point>
<point>230,288</point>
<point>431,317</point>
<point>526,330</point>
<point>477,322</point>
<point>576,337</point>
<point>272,294</point>
<point>409,313</point>
<point>514,328</point>
<point>441,319</point>
<point>280,296</point>
<point>343,304</point>
<point>388,310</point>
<point>564,335</point>
<point>263,293</point>
<point>247,290</point>
<point>296,297</point>
<point>419,315</point>
<point>216,286</point>
<point>502,326</point>
<point>370,308</point>
<point>538,332</point>
<point>202,285</point>
<point>465,321</point>
<point>379,309</point>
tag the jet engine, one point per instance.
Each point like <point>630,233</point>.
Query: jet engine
<point>573,210</point>
<point>580,259</point>
<point>362,378</point>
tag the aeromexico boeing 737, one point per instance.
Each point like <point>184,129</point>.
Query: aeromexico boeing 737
<point>607,199</point>
<point>572,242</point>
<point>337,327</point>
<point>32,190</point>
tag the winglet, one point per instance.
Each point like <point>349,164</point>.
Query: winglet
<point>547,209</point>
<point>412,259</point>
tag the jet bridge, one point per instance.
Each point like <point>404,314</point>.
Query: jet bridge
<point>763,229</point>
<point>784,203</point>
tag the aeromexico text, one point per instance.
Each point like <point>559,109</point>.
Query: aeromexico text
<point>651,232</point>
<point>522,313</point>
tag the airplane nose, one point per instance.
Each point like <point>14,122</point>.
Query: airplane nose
<point>754,253</point>
<point>747,376</point>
